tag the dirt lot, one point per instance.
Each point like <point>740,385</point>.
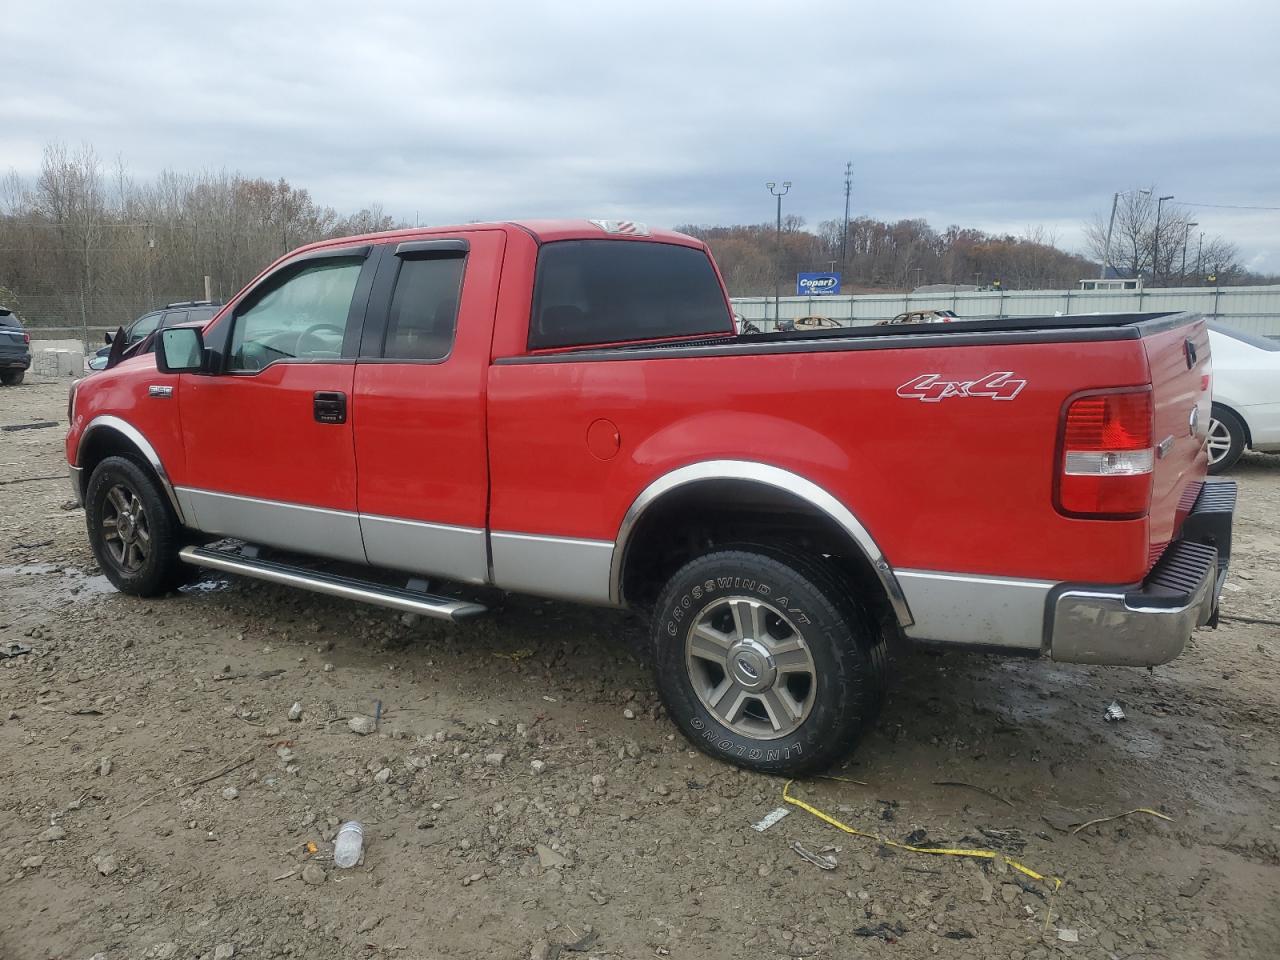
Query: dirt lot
<point>622,842</point>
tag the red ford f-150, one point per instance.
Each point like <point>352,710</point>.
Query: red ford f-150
<point>563,408</point>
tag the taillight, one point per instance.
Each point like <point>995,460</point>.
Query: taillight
<point>26,337</point>
<point>1107,455</point>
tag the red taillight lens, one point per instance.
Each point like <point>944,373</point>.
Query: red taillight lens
<point>26,337</point>
<point>1107,456</point>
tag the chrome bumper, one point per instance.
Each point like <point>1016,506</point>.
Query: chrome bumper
<point>1150,623</point>
<point>77,491</point>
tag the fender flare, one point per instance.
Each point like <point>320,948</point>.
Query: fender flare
<point>135,437</point>
<point>770,476</point>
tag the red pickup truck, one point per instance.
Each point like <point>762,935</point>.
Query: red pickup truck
<point>563,408</point>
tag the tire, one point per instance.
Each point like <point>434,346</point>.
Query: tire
<point>139,555</point>
<point>791,703</point>
<point>1226,439</point>
<point>11,378</point>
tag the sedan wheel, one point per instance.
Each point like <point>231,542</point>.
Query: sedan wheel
<point>1225,441</point>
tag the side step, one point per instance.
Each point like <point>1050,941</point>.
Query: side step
<point>397,598</point>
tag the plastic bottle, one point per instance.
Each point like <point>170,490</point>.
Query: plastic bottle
<point>346,847</point>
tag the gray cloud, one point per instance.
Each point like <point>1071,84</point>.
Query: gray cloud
<point>987,114</point>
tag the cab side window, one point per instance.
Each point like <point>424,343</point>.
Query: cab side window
<point>424,308</point>
<point>301,315</point>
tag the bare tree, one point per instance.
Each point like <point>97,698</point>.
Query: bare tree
<point>1134,247</point>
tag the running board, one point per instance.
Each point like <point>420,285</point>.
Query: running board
<point>349,588</point>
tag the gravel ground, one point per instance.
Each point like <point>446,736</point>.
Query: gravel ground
<point>524,796</point>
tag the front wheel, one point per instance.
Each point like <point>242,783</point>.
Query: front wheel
<point>1226,439</point>
<point>132,529</point>
<point>764,662</point>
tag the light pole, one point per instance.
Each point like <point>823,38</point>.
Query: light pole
<point>1155,242</point>
<point>1186,233</point>
<point>773,189</point>
<point>1199,251</point>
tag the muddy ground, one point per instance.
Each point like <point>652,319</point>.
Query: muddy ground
<point>626,844</point>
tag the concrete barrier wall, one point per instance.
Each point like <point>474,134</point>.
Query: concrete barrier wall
<point>1253,309</point>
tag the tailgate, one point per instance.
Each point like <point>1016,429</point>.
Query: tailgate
<point>1178,357</point>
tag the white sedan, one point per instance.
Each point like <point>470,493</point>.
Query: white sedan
<point>1246,395</point>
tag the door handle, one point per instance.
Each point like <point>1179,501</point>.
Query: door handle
<point>329,406</point>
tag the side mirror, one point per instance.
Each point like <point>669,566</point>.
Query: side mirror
<point>108,337</point>
<point>181,350</point>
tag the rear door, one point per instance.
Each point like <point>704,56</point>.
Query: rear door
<point>269,454</point>
<point>419,406</point>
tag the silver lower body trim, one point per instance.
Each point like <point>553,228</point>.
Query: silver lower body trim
<point>553,566</point>
<point>288,526</point>
<point>456,553</point>
<point>76,475</point>
<point>974,609</point>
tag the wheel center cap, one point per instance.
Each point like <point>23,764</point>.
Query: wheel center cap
<point>750,664</point>
<point>125,526</point>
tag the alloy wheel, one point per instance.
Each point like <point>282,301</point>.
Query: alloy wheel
<point>751,667</point>
<point>125,530</point>
<point>1218,441</point>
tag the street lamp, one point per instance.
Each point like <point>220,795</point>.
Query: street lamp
<point>1155,243</point>
<point>773,189</point>
<point>1186,233</point>
<point>1106,250</point>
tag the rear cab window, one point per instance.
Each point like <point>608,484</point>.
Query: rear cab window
<point>589,292</point>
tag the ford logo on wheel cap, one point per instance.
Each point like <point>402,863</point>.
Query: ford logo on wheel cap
<point>747,669</point>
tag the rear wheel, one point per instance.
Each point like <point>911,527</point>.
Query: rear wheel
<point>763,662</point>
<point>132,529</point>
<point>11,378</point>
<point>1226,440</point>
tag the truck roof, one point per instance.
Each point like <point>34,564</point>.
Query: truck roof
<point>543,231</point>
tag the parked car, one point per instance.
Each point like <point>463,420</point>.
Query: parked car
<point>15,348</point>
<point>564,408</point>
<point>922,316</point>
<point>170,315</point>
<point>1246,396</point>
<point>790,325</point>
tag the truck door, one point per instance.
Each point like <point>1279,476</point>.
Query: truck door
<point>268,439</point>
<point>419,405</point>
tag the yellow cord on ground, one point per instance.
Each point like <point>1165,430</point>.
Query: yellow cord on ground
<point>939,851</point>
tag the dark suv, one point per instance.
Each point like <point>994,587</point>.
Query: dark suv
<point>168,316</point>
<point>15,348</point>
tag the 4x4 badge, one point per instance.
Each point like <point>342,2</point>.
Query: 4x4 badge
<point>931,388</point>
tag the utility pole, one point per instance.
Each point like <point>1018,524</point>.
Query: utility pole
<point>777,267</point>
<point>1199,251</point>
<point>1185,234</point>
<point>1155,242</point>
<point>1106,251</point>
<point>844,239</point>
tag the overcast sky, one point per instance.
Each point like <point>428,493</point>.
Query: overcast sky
<point>994,115</point>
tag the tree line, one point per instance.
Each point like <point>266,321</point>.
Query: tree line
<point>84,245</point>
<point>882,257</point>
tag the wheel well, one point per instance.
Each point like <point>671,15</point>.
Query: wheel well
<point>1248,437</point>
<point>699,517</point>
<point>106,442</point>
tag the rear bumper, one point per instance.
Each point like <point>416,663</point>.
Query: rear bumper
<point>1150,623</point>
<point>8,361</point>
